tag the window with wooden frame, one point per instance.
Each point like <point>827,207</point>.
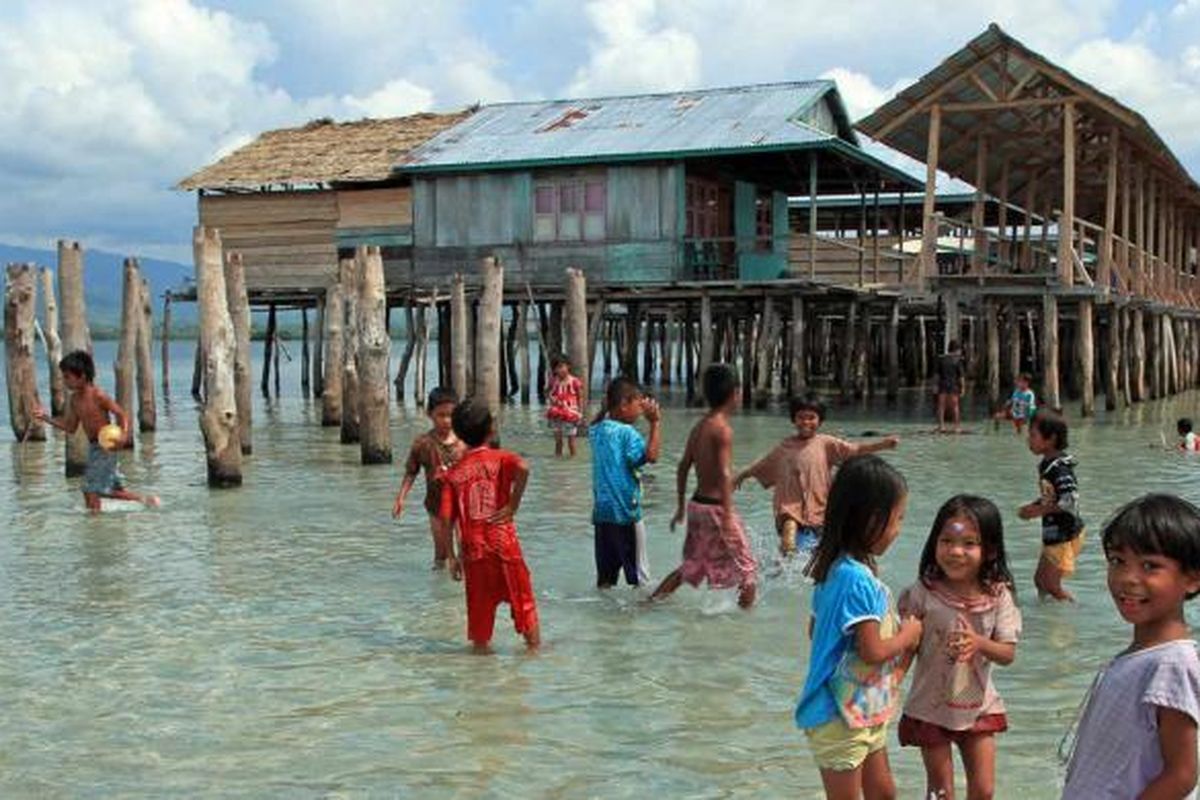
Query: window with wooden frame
<point>570,209</point>
<point>703,209</point>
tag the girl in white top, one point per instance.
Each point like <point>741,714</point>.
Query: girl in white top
<point>1137,737</point>
<point>964,599</point>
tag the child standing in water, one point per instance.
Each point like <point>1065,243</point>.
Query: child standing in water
<point>964,599</point>
<point>950,388</point>
<point>800,469</point>
<point>618,454</point>
<point>1058,505</point>
<point>481,495</point>
<point>434,452</point>
<point>1021,405</point>
<point>1137,736</point>
<point>565,394</point>
<point>858,653</point>
<point>716,548</point>
<point>1188,441</point>
<point>92,408</point>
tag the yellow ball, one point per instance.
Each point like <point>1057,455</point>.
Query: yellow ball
<point>110,436</point>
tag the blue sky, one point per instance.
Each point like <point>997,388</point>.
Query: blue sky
<point>104,104</point>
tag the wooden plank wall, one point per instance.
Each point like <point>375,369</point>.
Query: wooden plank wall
<point>375,208</point>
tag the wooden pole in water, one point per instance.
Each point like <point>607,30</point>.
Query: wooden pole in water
<point>318,354</point>
<point>198,372</point>
<point>75,336</point>
<point>524,367</point>
<point>348,271</point>
<point>1156,356</point>
<point>762,354</point>
<point>166,347</point>
<point>218,417</point>
<point>1050,378</point>
<point>1138,382</point>
<point>331,397</point>
<point>147,409</point>
<point>54,351</point>
<point>1087,357</point>
<point>305,386</point>
<point>892,348</point>
<point>668,347</point>
<point>373,349</point>
<point>706,339</point>
<point>1012,344</point>
<point>633,326</point>
<point>487,333</point>
<point>422,348</point>
<point>594,334</point>
<point>20,314</point>
<point>410,345</point>
<point>268,346</point>
<point>689,373</point>
<point>576,329</point>
<point>238,300</point>
<point>848,351</point>
<point>458,336</point>
<point>1112,364</point>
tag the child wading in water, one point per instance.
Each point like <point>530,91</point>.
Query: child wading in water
<point>715,548</point>
<point>90,407</point>
<point>800,469</point>
<point>1058,505</point>
<point>434,452</point>
<point>964,599</point>
<point>1188,441</point>
<point>481,495</point>
<point>564,393</point>
<point>1137,737</point>
<point>618,454</point>
<point>858,654</point>
<point>1021,405</point>
<point>950,388</point>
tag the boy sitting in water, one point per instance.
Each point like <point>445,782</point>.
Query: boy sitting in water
<point>716,548</point>
<point>800,469</point>
<point>90,407</point>
<point>1021,405</point>
<point>481,495</point>
<point>1188,441</point>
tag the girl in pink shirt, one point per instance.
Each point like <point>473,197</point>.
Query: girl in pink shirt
<point>964,598</point>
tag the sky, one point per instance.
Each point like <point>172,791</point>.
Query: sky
<point>106,104</point>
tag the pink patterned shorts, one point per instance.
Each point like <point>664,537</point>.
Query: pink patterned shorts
<point>723,558</point>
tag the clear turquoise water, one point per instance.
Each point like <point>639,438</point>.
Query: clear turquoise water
<point>288,638</point>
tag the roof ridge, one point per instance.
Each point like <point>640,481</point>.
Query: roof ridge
<point>809,82</point>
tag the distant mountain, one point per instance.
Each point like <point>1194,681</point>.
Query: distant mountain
<point>102,283</point>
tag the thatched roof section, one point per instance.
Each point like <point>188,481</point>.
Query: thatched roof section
<point>323,152</point>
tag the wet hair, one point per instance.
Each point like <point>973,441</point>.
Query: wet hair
<point>720,382</point>
<point>864,495</point>
<point>439,397</point>
<point>472,421</point>
<point>620,390</point>
<point>993,569</point>
<point>1025,376</point>
<point>807,402</point>
<point>1051,425</point>
<point>953,346</point>
<point>559,358</point>
<point>1184,426</point>
<point>79,362</point>
<point>1157,524</point>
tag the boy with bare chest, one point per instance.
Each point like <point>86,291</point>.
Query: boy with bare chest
<point>716,548</point>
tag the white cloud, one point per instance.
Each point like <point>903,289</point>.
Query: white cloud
<point>393,99</point>
<point>635,51</point>
<point>861,94</point>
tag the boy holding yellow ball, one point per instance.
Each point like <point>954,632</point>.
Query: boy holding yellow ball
<point>91,407</point>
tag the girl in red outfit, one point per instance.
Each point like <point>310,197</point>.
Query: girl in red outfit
<point>565,394</point>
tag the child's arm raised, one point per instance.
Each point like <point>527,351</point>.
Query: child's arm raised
<point>874,649</point>
<point>654,441</point>
<point>1177,741</point>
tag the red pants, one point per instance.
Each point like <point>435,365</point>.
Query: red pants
<point>489,583</point>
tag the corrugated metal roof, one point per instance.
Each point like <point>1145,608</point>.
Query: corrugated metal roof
<point>738,119</point>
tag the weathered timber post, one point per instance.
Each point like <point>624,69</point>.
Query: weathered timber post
<point>1126,349</point>
<point>218,417</point>
<point>166,347</point>
<point>1112,364</point>
<point>20,314</point>
<point>422,357</point>
<point>1012,344</point>
<point>331,397</point>
<point>442,312</point>
<point>238,300</point>
<point>633,327</point>
<point>689,372</point>
<point>576,329</point>
<point>847,351</point>
<point>487,333</point>
<point>410,345</point>
<point>54,351</point>
<point>1087,357</point>
<point>648,353</point>
<point>862,350</point>
<point>799,372</point>
<point>953,330</point>
<point>458,336</point>
<point>922,349</point>
<point>268,347</point>
<point>348,272</point>
<point>991,336</point>
<point>1156,356</point>
<point>747,351</point>
<point>668,347</point>
<point>1050,378</point>
<point>375,437</point>
<point>75,336</point>
<point>524,367</point>
<point>762,354</point>
<point>198,372</point>
<point>147,410</point>
<point>305,386</point>
<point>892,352</point>
<point>318,355</point>
<point>1138,383</point>
<point>706,339</point>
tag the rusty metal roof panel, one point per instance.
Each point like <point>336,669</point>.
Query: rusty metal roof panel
<point>730,120</point>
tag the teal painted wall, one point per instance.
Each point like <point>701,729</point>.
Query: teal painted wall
<point>753,264</point>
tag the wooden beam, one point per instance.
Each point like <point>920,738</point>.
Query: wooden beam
<point>982,86</point>
<point>1110,211</point>
<point>928,262</point>
<point>979,207</point>
<point>1007,105</point>
<point>1066,224</point>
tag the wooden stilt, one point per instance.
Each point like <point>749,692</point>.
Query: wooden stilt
<point>862,350</point>
<point>706,337</point>
<point>648,353</point>
<point>762,355</point>
<point>524,367</point>
<point>218,418</point>
<point>348,272</point>
<point>576,329</point>
<point>20,316</point>
<point>1126,350</point>
<point>147,409</point>
<point>445,366</point>
<point>198,373</point>
<point>127,346</point>
<point>848,350</point>
<point>1156,356</point>
<point>1112,364</point>
<point>165,355</point>
<point>318,353</point>
<point>992,337</point>
<point>374,346</point>
<point>75,336</point>
<point>747,352</point>
<point>305,386</point>
<point>1050,376</point>
<point>238,301</point>
<point>458,336</point>
<point>275,357</point>
<point>331,397</point>
<point>689,373</point>
<point>421,363</point>
<point>595,332</point>
<point>512,383</point>
<point>54,351</point>
<point>410,345</point>
<point>487,332</point>
<point>1087,358</point>
<point>799,363</point>
<point>1012,345</point>
<point>668,347</point>
<point>543,326</point>
<point>923,347</point>
<point>1138,384</point>
<point>892,354</point>
<point>268,349</point>
<point>633,327</point>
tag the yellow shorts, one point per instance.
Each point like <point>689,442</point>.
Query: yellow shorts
<point>840,748</point>
<point>1062,556</point>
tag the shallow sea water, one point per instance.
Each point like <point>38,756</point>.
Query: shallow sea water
<point>288,639</point>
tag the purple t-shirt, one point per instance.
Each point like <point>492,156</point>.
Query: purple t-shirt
<point>1116,751</point>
